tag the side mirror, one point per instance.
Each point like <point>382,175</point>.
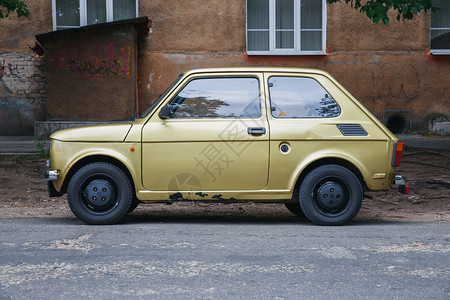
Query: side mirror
<point>165,112</point>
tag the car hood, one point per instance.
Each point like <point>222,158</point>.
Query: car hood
<point>96,133</point>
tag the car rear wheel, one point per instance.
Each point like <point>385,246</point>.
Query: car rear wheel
<point>294,207</point>
<point>100,193</point>
<point>331,195</point>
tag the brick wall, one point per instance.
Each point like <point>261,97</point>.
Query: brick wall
<point>22,92</point>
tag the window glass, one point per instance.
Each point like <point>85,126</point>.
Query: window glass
<point>258,25</point>
<point>286,26</point>
<point>160,98</point>
<point>67,13</point>
<point>76,13</point>
<point>124,9</point>
<point>311,25</point>
<point>311,41</point>
<point>300,97</point>
<point>96,11</point>
<point>311,16</point>
<point>440,26</point>
<point>201,98</point>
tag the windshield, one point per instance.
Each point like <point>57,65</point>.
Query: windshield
<point>154,104</point>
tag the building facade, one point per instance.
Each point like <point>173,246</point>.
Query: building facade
<point>400,71</point>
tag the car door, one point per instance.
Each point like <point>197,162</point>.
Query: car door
<point>216,138</point>
<point>311,118</point>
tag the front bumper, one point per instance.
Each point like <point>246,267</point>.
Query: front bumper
<point>400,180</point>
<point>51,175</point>
<point>52,192</point>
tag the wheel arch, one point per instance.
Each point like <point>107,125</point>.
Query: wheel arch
<point>327,161</point>
<point>97,158</point>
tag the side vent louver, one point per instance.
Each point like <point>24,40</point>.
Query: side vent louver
<point>352,130</point>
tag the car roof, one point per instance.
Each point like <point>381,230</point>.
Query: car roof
<point>257,69</point>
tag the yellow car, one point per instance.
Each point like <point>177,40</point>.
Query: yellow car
<point>286,135</point>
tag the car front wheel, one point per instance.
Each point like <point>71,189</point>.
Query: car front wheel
<point>331,195</point>
<point>100,193</point>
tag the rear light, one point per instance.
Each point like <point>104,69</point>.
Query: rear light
<point>397,155</point>
<point>404,189</point>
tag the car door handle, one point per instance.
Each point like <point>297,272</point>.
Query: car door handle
<point>256,130</point>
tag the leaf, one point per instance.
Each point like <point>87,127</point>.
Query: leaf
<point>10,6</point>
<point>376,19</point>
<point>371,13</point>
<point>406,9</point>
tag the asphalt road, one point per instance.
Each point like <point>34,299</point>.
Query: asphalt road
<point>62,258</point>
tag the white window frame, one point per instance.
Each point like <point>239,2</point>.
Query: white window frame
<point>83,13</point>
<point>438,51</point>
<point>297,32</point>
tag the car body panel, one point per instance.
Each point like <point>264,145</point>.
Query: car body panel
<point>219,154</point>
<point>166,157</point>
<point>94,133</point>
<point>71,153</point>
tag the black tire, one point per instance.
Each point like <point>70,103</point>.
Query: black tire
<point>294,207</point>
<point>133,205</point>
<point>100,193</point>
<point>331,195</point>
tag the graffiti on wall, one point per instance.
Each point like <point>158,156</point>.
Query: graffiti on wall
<point>91,58</point>
<point>8,70</point>
<point>22,93</point>
<point>390,81</point>
<point>16,113</point>
<point>96,67</point>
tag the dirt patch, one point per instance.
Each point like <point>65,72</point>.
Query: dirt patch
<point>23,194</point>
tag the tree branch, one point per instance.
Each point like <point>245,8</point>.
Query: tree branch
<point>377,10</point>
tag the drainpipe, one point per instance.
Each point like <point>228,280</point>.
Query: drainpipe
<point>137,76</point>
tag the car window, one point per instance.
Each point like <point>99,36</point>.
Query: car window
<point>160,98</point>
<point>300,97</point>
<point>218,97</point>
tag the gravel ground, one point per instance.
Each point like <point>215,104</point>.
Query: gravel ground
<point>24,195</point>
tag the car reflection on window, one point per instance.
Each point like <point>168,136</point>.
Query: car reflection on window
<point>201,98</point>
<point>300,97</point>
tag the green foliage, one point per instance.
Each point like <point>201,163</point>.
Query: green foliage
<point>9,6</point>
<point>42,147</point>
<point>377,10</point>
<point>24,158</point>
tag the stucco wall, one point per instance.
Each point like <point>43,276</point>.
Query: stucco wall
<point>385,67</point>
<point>17,34</point>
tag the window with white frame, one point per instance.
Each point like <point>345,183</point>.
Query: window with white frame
<point>76,13</point>
<point>440,28</point>
<point>288,27</point>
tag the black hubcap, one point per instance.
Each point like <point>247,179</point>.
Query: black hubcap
<point>331,197</point>
<point>100,196</point>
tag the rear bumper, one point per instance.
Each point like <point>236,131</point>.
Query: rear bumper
<point>400,180</point>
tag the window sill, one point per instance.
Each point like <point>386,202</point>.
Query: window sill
<point>440,51</point>
<point>286,53</point>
